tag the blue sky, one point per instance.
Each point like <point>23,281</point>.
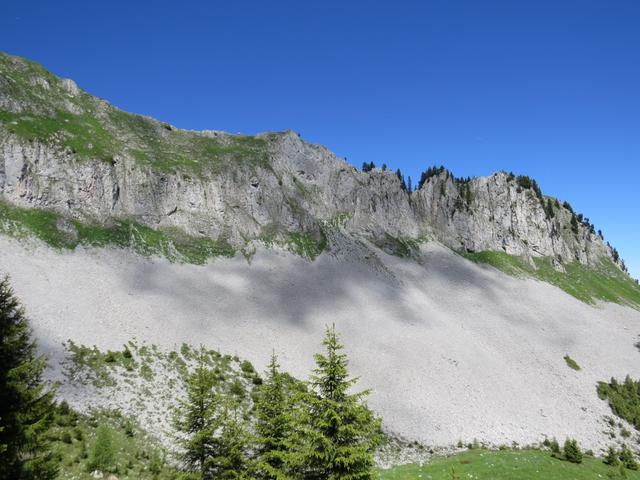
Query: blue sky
<point>545,88</point>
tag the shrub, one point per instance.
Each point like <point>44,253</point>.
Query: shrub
<point>66,437</point>
<point>104,452</point>
<point>611,458</point>
<point>572,451</point>
<point>554,446</point>
<point>627,459</point>
<point>571,363</point>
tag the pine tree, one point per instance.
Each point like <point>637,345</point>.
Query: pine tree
<point>611,458</point>
<point>103,454</point>
<point>197,418</point>
<point>273,425</point>
<point>572,451</point>
<point>228,459</point>
<point>342,431</point>
<point>627,459</point>
<point>25,404</point>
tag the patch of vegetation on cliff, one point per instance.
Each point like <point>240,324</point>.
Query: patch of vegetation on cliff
<point>306,245</point>
<point>53,229</point>
<point>404,247</point>
<point>605,282</point>
<point>90,128</point>
<point>504,464</point>
<point>623,398</point>
<point>108,442</point>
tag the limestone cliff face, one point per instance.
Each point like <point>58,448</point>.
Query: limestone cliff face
<point>65,150</point>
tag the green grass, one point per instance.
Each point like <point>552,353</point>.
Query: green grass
<point>604,282</point>
<point>306,245</point>
<point>92,129</point>
<point>57,232</point>
<point>503,465</point>
<point>73,436</point>
<point>571,363</point>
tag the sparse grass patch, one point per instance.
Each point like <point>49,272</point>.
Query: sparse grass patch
<point>571,363</point>
<point>53,229</point>
<point>605,282</point>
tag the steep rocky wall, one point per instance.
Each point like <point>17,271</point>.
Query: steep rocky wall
<point>63,149</point>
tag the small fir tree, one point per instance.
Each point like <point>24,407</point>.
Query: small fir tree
<point>273,425</point>
<point>197,418</point>
<point>611,458</point>
<point>103,453</point>
<point>341,431</point>
<point>627,459</point>
<point>26,406</point>
<point>572,451</point>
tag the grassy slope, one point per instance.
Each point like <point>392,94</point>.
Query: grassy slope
<point>93,129</point>
<point>605,282</point>
<point>503,465</point>
<point>46,225</point>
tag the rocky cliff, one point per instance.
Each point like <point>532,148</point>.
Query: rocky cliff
<point>64,150</point>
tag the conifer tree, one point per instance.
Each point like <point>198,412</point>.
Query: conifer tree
<point>572,451</point>
<point>197,418</point>
<point>273,425</point>
<point>26,405</point>
<point>341,431</point>
<point>228,460</point>
<point>627,459</point>
<point>611,458</point>
<point>103,454</point>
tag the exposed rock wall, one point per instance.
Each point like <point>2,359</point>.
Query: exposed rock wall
<point>299,187</point>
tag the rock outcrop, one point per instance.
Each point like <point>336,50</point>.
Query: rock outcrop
<point>64,150</point>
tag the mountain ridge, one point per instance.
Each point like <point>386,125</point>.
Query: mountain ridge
<point>64,150</point>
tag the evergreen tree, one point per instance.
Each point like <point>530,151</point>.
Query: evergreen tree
<point>611,458</point>
<point>341,431</point>
<point>228,459</point>
<point>574,224</point>
<point>25,405</point>
<point>103,454</point>
<point>197,418</point>
<point>627,459</point>
<point>409,186</point>
<point>273,425</point>
<point>572,451</point>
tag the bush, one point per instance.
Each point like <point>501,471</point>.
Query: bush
<point>554,446</point>
<point>66,437</point>
<point>611,458</point>
<point>571,363</point>
<point>627,459</point>
<point>103,453</point>
<point>572,451</point>
<point>624,398</point>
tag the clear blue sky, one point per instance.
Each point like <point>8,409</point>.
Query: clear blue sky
<point>545,88</point>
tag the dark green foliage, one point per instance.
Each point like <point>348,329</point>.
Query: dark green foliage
<point>554,446</point>
<point>572,451</point>
<point>548,209</point>
<point>624,398</point>
<point>567,206</point>
<point>197,418</point>
<point>25,405</point>
<point>611,457</point>
<point>403,183</point>
<point>429,173</point>
<point>367,167</point>
<point>626,458</point>
<point>274,426</point>
<point>574,224</point>
<point>341,432</point>
<point>103,453</point>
